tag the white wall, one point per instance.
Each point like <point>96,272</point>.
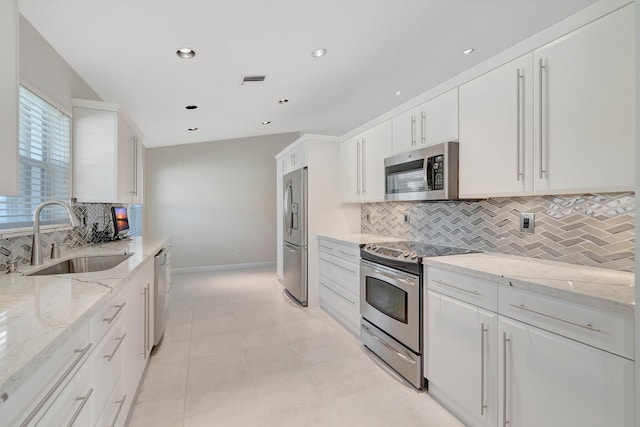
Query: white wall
<point>43,70</point>
<point>217,200</point>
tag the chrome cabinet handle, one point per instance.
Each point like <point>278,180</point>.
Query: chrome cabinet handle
<point>135,165</point>
<point>358,169</point>
<point>551,316</point>
<point>329,248</point>
<point>115,350</point>
<point>384,343</point>
<point>424,127</point>
<point>483,405</point>
<point>543,69</point>
<point>413,130</point>
<point>340,295</point>
<point>121,404</point>
<point>80,355</point>
<point>145,294</point>
<point>505,340</point>
<point>84,400</point>
<point>519,77</point>
<point>455,287</point>
<point>347,254</point>
<point>112,318</point>
<point>338,265</point>
<point>364,166</point>
<point>399,279</point>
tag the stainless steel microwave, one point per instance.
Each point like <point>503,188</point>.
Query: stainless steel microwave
<point>430,173</point>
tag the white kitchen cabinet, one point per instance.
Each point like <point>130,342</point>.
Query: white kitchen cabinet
<point>460,339</point>
<point>550,121</point>
<point>549,380</point>
<point>495,132</point>
<point>139,329</point>
<point>362,165</point>
<point>431,123</point>
<point>584,103</point>
<point>9,97</point>
<point>340,281</point>
<point>296,158</point>
<point>108,155</point>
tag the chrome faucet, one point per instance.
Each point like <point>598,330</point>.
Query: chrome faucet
<point>36,255</point>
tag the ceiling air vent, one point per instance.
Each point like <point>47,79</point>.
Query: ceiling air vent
<point>252,80</point>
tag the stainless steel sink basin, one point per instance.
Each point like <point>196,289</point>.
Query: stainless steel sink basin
<point>85,264</point>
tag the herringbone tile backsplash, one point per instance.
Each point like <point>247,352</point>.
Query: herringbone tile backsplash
<point>591,229</point>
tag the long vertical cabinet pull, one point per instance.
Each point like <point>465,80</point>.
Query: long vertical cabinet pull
<point>134,143</point>
<point>413,130</point>
<point>505,340</point>
<point>364,167</point>
<point>145,345</point>
<point>483,405</point>
<point>358,168</point>
<point>423,119</point>
<point>519,136</point>
<point>542,69</point>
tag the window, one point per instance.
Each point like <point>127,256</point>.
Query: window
<point>44,163</point>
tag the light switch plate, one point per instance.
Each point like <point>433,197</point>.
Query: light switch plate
<point>527,222</point>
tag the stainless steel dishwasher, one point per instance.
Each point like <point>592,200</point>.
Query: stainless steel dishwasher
<point>160,299</point>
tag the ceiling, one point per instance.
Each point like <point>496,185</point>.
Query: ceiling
<point>125,50</point>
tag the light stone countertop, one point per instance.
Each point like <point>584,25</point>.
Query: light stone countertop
<point>595,287</point>
<point>36,312</point>
<point>360,239</point>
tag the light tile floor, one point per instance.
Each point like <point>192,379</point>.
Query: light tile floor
<point>237,353</point>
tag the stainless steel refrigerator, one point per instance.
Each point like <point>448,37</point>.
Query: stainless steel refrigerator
<point>294,261</point>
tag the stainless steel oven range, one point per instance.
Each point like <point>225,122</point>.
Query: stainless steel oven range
<point>391,302</point>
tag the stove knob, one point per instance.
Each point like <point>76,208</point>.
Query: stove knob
<point>414,255</point>
<point>368,246</point>
<point>406,254</point>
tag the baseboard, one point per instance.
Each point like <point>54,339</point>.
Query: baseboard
<point>180,270</point>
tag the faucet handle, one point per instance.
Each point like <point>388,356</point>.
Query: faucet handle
<point>55,251</point>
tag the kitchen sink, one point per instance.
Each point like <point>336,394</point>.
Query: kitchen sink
<point>85,264</point>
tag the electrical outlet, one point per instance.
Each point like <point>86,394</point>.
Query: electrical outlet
<point>527,222</point>
<point>406,218</point>
<point>368,217</point>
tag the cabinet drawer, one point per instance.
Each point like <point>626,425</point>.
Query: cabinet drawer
<point>106,317</point>
<point>465,288</point>
<point>73,406</point>
<point>107,364</point>
<point>113,413</point>
<point>328,246</point>
<point>341,272</point>
<point>606,330</point>
<point>349,253</point>
<point>342,305</point>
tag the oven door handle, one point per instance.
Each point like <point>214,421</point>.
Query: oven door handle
<point>384,343</point>
<point>398,279</point>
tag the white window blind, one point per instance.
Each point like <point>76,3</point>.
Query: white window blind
<point>44,164</point>
<point>135,220</point>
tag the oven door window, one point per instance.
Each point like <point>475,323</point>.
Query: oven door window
<point>387,299</point>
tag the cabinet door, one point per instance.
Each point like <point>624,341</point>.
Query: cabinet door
<point>585,112</point>
<point>555,381</point>
<point>461,360</point>
<point>406,129</point>
<point>127,152</point>
<point>95,169</point>
<point>439,119</point>
<point>375,146</point>
<point>350,172</point>
<point>9,97</point>
<point>495,132</point>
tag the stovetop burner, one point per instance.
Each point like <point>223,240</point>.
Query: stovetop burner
<point>407,252</point>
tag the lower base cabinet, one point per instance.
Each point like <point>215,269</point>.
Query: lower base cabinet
<point>549,380</point>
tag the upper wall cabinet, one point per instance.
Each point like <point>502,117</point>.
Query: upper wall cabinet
<point>294,159</point>
<point>362,165</point>
<point>431,123</point>
<point>108,155</point>
<point>9,97</point>
<point>546,122</point>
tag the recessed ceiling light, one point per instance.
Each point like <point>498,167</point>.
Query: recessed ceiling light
<point>191,107</point>
<point>283,101</point>
<point>467,52</point>
<point>186,53</point>
<point>266,122</point>
<point>318,53</point>
<point>398,92</point>
<point>192,129</point>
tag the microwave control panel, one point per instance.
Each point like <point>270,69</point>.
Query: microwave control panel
<point>435,172</point>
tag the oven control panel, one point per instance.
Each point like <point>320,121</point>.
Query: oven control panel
<point>391,252</point>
